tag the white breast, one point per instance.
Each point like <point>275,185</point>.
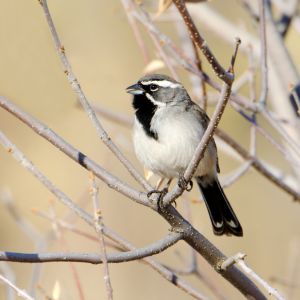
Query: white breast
<point>179,133</point>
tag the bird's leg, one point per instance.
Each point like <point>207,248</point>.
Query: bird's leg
<point>185,185</point>
<point>159,183</point>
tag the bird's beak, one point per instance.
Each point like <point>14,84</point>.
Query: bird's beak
<point>135,89</point>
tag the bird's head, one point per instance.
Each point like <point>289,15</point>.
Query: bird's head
<point>160,90</point>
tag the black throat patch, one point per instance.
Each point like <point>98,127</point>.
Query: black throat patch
<point>144,111</point>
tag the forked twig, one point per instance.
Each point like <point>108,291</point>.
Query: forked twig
<point>239,259</point>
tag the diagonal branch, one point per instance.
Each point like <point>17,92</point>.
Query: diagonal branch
<point>44,131</point>
<point>227,77</point>
<point>20,292</point>
<point>258,165</point>
<point>239,259</point>
<point>194,238</point>
<point>84,101</point>
<point>182,59</point>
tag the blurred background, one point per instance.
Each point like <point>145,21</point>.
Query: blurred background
<point>106,59</point>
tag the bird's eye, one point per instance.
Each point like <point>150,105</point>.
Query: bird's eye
<point>153,87</point>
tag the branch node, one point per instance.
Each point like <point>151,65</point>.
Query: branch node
<point>230,261</point>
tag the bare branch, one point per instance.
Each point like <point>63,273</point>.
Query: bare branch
<point>182,59</point>
<point>191,235</point>
<point>94,258</point>
<point>201,43</point>
<point>128,7</point>
<point>258,165</point>
<point>19,292</point>
<point>99,228</point>
<point>84,101</point>
<point>212,255</point>
<point>41,129</point>
<point>263,41</point>
<point>239,260</point>
<point>121,244</point>
<point>9,274</point>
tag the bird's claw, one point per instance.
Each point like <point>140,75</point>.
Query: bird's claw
<point>161,194</point>
<point>185,185</point>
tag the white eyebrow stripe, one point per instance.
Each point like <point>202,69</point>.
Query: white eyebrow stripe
<point>163,83</point>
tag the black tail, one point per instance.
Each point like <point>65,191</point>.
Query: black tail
<point>222,216</point>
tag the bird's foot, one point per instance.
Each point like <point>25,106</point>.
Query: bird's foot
<point>185,185</point>
<point>161,196</point>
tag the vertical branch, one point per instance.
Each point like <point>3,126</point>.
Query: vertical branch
<point>99,229</point>
<point>128,7</point>
<point>164,57</point>
<point>202,82</point>
<point>263,43</point>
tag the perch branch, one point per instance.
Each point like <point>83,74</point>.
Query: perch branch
<point>178,223</point>
<point>199,152</point>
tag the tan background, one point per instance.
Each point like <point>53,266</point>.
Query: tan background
<point>106,59</point>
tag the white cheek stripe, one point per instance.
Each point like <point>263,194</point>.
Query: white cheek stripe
<point>163,83</point>
<point>157,103</point>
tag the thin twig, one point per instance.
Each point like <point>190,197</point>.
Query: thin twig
<point>263,41</point>
<point>202,44</point>
<point>179,225</point>
<point>25,226</point>
<point>136,31</point>
<point>182,59</point>
<point>121,244</point>
<point>9,274</point>
<point>239,260</point>
<point>236,174</point>
<point>99,228</point>
<point>164,56</point>
<point>20,293</point>
<point>85,103</point>
<point>258,165</point>
<point>40,128</point>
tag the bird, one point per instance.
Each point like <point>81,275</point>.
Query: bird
<point>168,127</point>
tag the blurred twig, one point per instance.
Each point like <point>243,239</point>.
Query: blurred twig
<point>202,44</point>
<point>263,42</point>
<point>21,293</point>
<point>9,274</point>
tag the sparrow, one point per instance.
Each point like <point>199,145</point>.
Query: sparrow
<point>168,127</point>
